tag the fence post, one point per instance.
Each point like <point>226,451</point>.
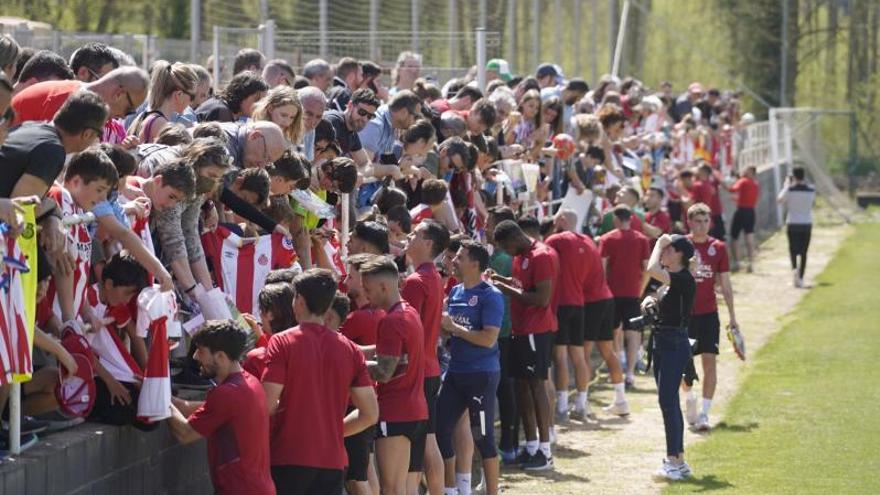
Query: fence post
<point>453,42</point>
<point>853,152</point>
<point>481,58</point>
<point>145,61</point>
<point>594,41</point>
<point>56,41</point>
<point>15,418</point>
<point>195,29</point>
<point>774,160</point>
<point>536,33</point>
<point>374,26</point>
<point>511,33</point>
<point>576,38</point>
<point>346,220</point>
<point>269,39</point>
<point>414,21</point>
<point>557,32</point>
<point>216,62</point>
<point>618,45</point>
<point>322,27</point>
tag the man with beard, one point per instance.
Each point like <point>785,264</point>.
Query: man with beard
<point>359,110</point>
<point>238,437</point>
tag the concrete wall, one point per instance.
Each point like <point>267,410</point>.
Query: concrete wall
<point>97,459</point>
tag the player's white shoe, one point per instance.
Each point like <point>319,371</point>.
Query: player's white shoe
<point>618,408</point>
<point>702,422</point>
<point>690,410</point>
<point>670,471</point>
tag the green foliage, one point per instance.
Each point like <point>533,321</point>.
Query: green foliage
<point>802,421</point>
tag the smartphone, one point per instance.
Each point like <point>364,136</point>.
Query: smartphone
<point>387,159</point>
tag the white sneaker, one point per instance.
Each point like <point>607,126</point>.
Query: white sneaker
<point>669,471</point>
<point>685,470</point>
<point>702,422</point>
<point>690,410</point>
<point>618,408</point>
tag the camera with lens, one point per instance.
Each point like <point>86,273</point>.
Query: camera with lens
<point>648,317</point>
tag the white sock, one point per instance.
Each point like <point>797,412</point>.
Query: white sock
<point>580,401</point>
<point>532,446</point>
<point>691,395</point>
<point>562,401</point>
<point>630,377</point>
<point>450,491</point>
<point>463,482</point>
<point>545,448</point>
<point>619,392</point>
<point>707,404</point>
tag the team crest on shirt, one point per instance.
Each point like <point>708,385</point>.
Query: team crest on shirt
<point>711,250</point>
<point>525,264</point>
<point>263,260</point>
<point>473,301</point>
<point>287,243</point>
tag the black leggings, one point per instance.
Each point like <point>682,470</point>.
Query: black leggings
<point>507,401</point>
<point>798,244</point>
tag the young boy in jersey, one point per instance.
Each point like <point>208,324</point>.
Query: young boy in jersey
<point>625,254</point>
<point>238,437</point>
<point>423,290</point>
<point>535,272</point>
<point>89,177</point>
<point>473,320</point>
<point>276,315</point>
<point>705,326</point>
<point>311,371</point>
<point>746,192</point>
<point>399,368</point>
<point>118,373</point>
<point>288,173</point>
<point>433,197</point>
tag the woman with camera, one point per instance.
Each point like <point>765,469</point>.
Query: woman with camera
<point>670,265</point>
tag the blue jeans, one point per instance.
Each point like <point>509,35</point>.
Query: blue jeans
<point>671,353</point>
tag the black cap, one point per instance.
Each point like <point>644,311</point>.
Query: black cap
<point>545,70</point>
<point>683,245</point>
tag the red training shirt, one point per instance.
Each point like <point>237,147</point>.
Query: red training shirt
<point>317,367</point>
<point>595,286</point>
<point>660,219</point>
<point>706,192</point>
<point>41,101</point>
<point>538,264</point>
<point>626,250</point>
<point>361,324</point>
<point>711,260</point>
<point>747,191</point>
<point>238,437</point>
<point>572,250</point>
<point>423,290</point>
<point>400,334</point>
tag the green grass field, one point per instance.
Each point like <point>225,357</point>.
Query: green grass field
<point>806,417</point>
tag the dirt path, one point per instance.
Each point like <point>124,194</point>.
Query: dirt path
<point>612,455</point>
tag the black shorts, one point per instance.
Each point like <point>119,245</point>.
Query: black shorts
<point>408,429</point>
<point>358,448</point>
<point>625,309</point>
<point>717,231</point>
<point>599,320</point>
<point>571,325</point>
<point>706,329</point>
<point>307,480</point>
<point>530,355</point>
<point>743,221</point>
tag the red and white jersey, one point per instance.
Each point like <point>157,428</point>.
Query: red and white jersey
<point>15,340</point>
<point>242,265</point>
<point>156,310</point>
<point>419,213</point>
<point>140,226</point>
<point>107,345</point>
<point>79,244</point>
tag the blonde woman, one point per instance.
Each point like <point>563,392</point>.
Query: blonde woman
<point>172,90</point>
<point>530,132</point>
<point>282,106</point>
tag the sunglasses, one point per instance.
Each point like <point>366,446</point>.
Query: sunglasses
<point>364,113</point>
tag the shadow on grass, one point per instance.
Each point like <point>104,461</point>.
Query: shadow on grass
<point>550,476</point>
<point>706,483</point>
<point>569,453</point>
<point>737,428</point>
